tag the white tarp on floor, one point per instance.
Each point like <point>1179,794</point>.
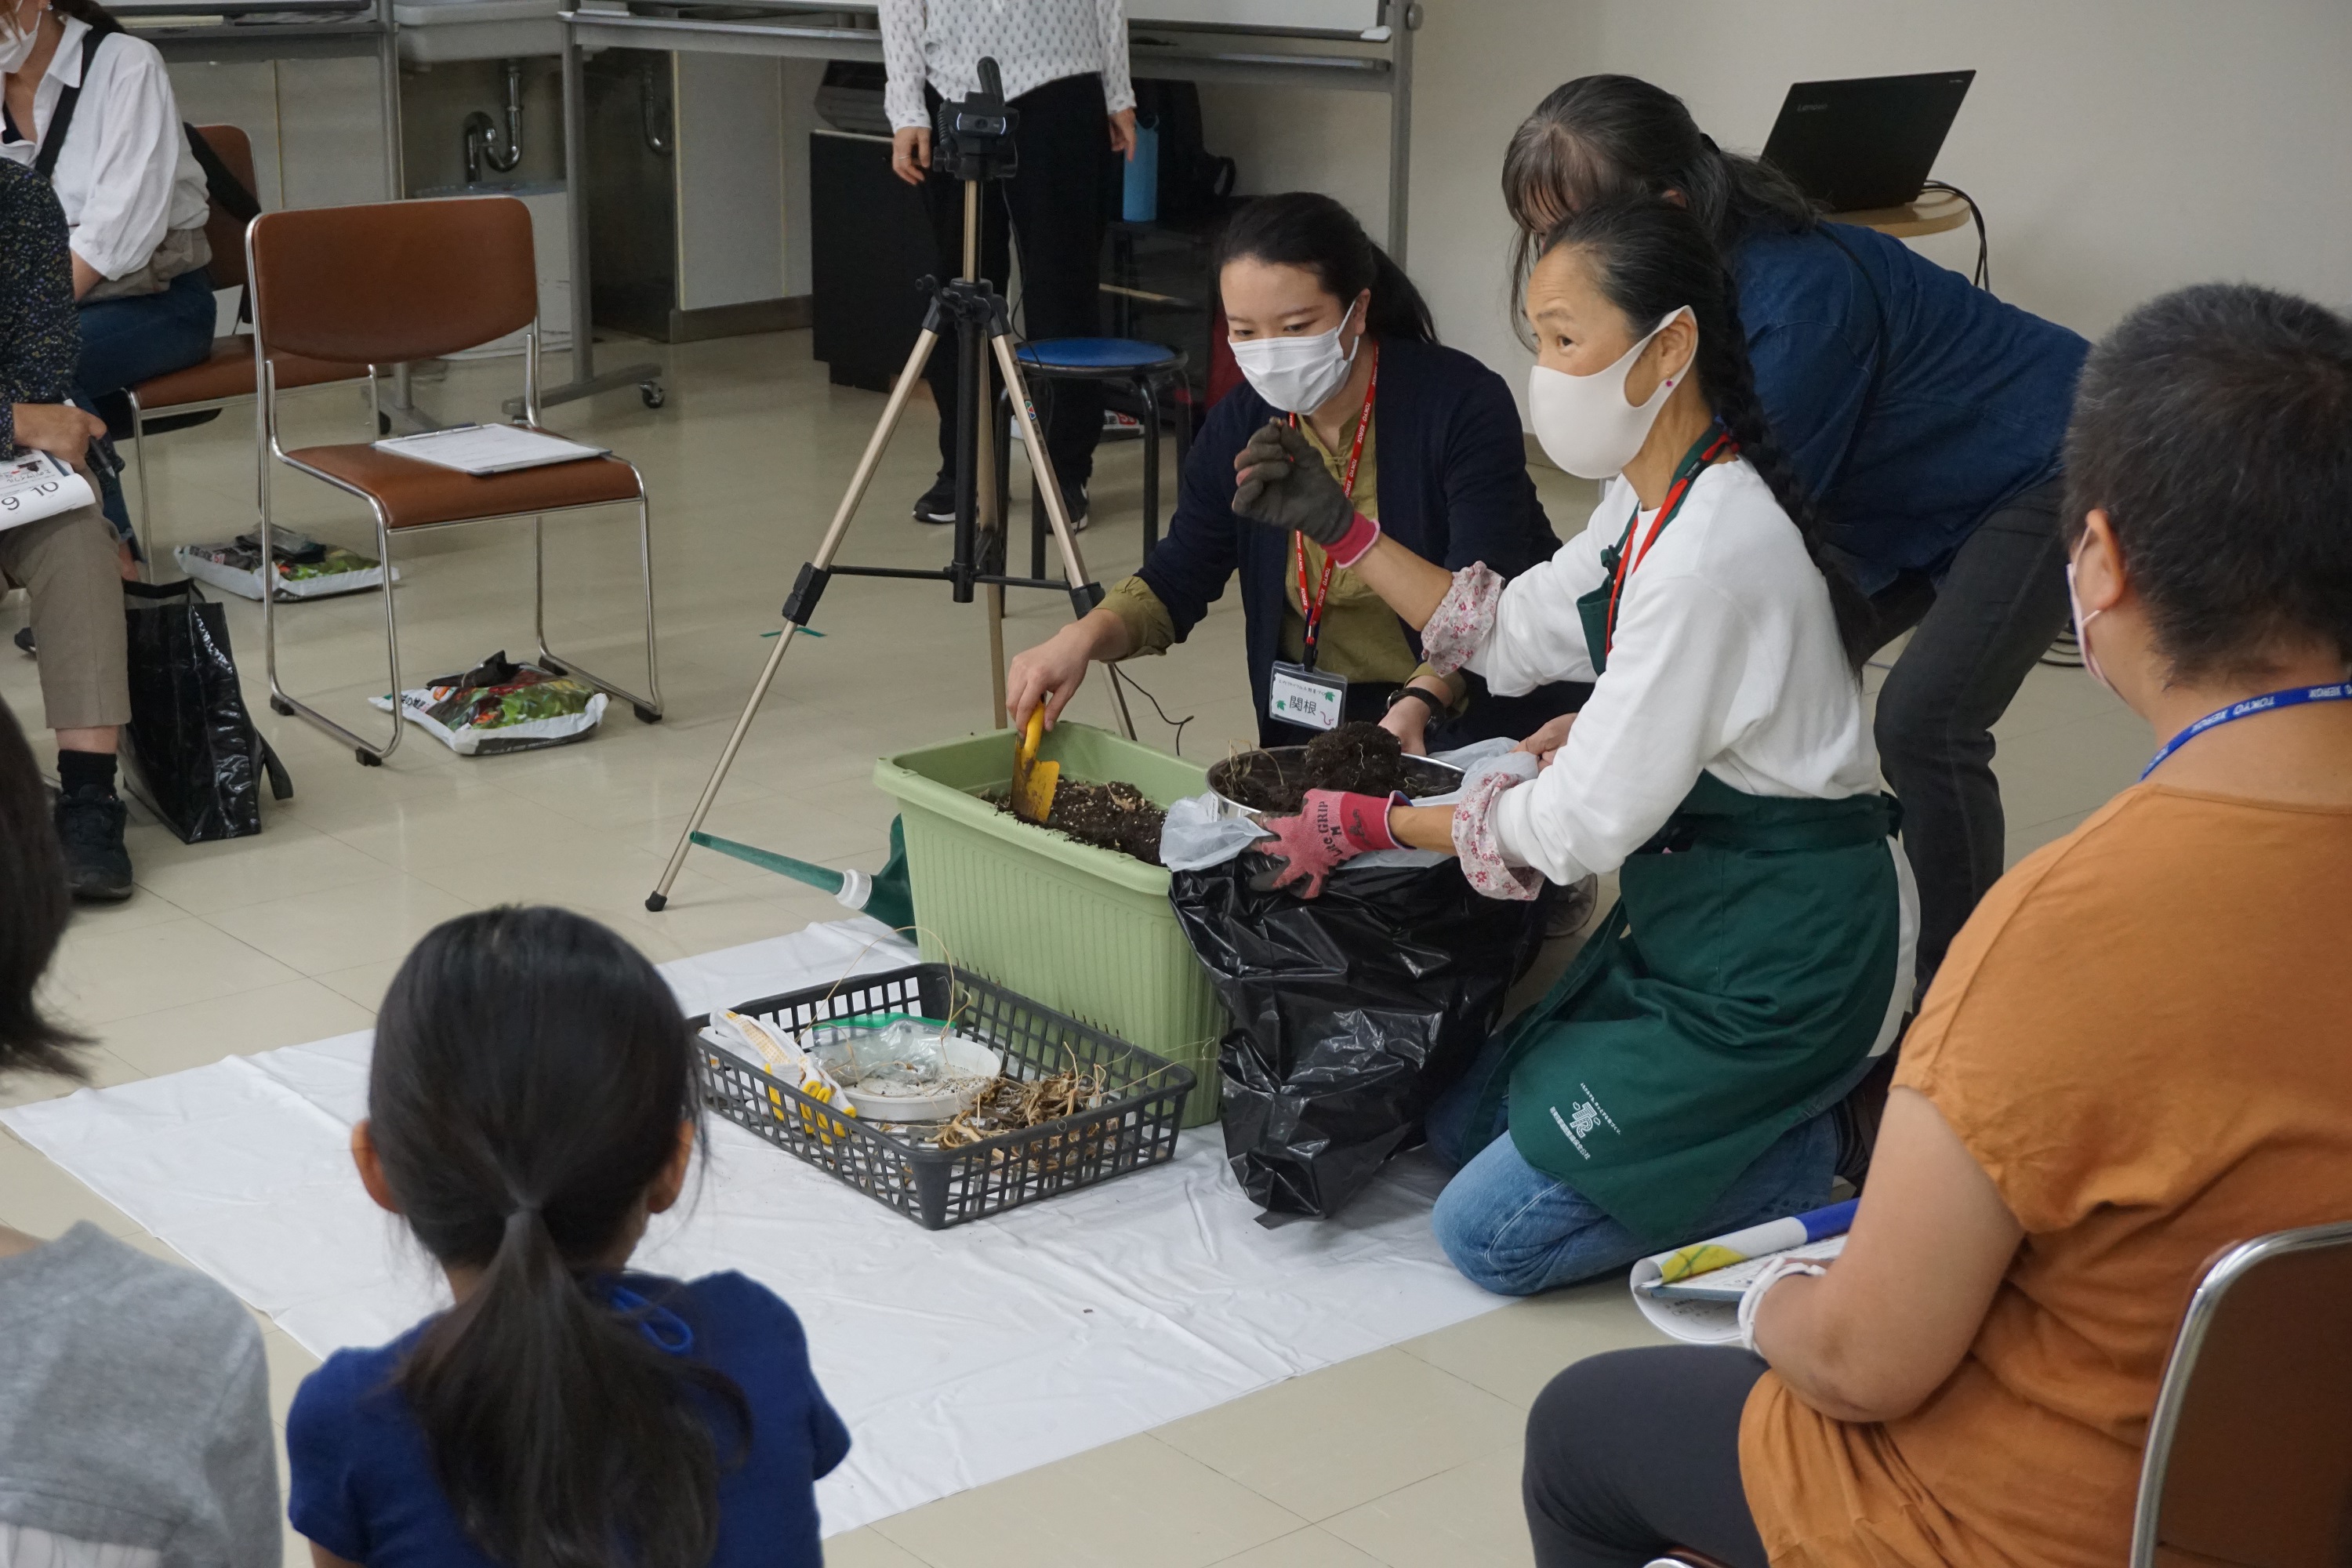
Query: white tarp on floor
<point>957,1357</point>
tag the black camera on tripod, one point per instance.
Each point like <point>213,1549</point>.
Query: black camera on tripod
<point>974,137</point>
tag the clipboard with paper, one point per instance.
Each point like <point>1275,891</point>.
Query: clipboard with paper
<point>1692,1291</point>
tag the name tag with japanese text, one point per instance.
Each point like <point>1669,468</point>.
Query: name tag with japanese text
<point>1311,698</point>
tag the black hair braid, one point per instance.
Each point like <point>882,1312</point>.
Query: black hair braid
<point>1730,385</point>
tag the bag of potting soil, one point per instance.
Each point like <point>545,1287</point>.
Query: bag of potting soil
<point>305,568</point>
<point>500,706</point>
<point>1351,1012</point>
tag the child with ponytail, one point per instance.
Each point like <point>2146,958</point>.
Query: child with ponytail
<point>531,1104</point>
<point>1672,1085</point>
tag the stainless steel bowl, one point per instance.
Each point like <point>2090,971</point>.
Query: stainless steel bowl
<point>1422,778</point>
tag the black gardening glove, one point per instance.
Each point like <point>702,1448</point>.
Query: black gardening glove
<point>1281,481</point>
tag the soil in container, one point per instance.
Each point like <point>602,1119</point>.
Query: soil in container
<point>1113,815</point>
<point>1360,758</point>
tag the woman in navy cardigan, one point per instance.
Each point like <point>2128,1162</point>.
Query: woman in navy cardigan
<point>1330,332</point>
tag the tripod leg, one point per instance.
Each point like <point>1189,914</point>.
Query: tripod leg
<point>831,547</point>
<point>1040,473</point>
<point>993,536</point>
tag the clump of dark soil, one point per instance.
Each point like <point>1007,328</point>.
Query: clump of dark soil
<point>1113,815</point>
<point>1360,758</point>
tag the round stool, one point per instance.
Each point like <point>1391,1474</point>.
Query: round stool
<point>1139,367</point>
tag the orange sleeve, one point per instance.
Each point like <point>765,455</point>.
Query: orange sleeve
<point>2016,1043</point>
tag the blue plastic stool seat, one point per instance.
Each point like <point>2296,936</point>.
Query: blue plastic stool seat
<point>1143,367</point>
<point>1098,355</point>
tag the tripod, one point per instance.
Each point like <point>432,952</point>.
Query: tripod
<point>973,143</point>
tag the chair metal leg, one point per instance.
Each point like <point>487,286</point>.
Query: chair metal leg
<point>370,755</point>
<point>1150,461</point>
<point>647,709</point>
<point>138,456</point>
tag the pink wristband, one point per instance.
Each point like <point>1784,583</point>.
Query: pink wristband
<point>1362,533</point>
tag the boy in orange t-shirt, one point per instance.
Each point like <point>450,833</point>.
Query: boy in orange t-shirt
<point>2132,1058</point>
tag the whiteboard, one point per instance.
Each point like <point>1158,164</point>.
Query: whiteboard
<point>1316,15</point>
<point>1277,16</point>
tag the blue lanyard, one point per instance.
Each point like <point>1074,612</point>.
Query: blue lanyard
<point>2295,697</point>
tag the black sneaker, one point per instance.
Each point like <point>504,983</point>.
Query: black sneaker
<point>25,640</point>
<point>90,826</point>
<point>938,503</point>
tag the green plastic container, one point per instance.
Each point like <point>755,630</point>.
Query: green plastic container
<point>1084,930</point>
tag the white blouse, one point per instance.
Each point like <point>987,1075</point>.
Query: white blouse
<point>1033,41</point>
<point>1725,661</point>
<point>125,176</point>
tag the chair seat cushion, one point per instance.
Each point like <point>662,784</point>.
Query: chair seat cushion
<point>1106,355</point>
<point>228,372</point>
<point>417,495</point>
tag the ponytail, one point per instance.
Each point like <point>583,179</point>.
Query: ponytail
<point>531,1078</point>
<point>1304,229</point>
<point>1650,258</point>
<point>1602,140</point>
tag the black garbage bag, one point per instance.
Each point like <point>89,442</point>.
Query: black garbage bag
<point>195,757</point>
<point>1352,1011</point>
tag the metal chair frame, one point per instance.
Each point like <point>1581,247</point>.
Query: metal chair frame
<point>139,414</point>
<point>2180,1367</point>
<point>648,707</point>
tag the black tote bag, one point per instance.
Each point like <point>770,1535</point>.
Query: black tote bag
<point>196,759</point>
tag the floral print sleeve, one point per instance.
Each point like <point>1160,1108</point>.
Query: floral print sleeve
<point>1463,619</point>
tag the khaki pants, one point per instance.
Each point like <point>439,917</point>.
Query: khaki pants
<point>69,564</point>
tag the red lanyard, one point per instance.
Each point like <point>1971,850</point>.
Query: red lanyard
<point>1703,452</point>
<point>1348,483</point>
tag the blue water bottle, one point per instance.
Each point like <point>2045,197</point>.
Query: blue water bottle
<point>1141,201</point>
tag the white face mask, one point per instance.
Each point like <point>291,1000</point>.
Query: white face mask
<point>1298,376</point>
<point>17,41</point>
<point>2083,629</point>
<point>1583,422</point>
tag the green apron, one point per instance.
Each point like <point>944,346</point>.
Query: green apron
<point>1734,991</point>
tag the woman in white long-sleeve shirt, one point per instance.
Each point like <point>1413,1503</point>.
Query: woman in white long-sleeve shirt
<point>91,107</point>
<point>1673,1085</point>
<point>1064,68</point>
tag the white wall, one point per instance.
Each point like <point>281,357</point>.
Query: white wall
<point>2119,147</point>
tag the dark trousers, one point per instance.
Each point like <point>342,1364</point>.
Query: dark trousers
<point>1054,209</point>
<point>126,341</point>
<point>1974,640</point>
<point>1635,1453</point>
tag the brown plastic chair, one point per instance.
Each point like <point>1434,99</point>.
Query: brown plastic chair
<point>228,373</point>
<point>2248,1459</point>
<point>399,281</point>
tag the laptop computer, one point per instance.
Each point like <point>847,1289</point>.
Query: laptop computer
<point>1867,141</point>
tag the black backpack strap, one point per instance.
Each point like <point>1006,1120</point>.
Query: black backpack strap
<point>45,162</point>
<point>227,192</point>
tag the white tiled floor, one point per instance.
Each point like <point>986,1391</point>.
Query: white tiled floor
<point>1407,1458</point>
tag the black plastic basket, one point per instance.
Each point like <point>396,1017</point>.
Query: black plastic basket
<point>940,1187</point>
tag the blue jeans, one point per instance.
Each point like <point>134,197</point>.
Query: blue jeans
<point>126,341</point>
<point>1513,1230</point>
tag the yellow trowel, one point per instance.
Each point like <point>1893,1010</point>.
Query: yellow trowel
<point>1033,782</point>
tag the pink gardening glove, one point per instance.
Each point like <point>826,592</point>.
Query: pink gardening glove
<point>1332,826</point>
